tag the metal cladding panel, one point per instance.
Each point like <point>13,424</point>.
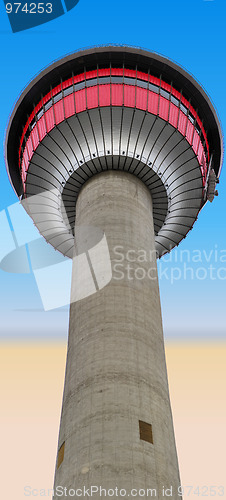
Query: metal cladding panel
<point>116,128</point>
<point>77,138</point>
<point>44,181</point>
<point>88,135</point>
<point>118,138</point>
<point>106,124</point>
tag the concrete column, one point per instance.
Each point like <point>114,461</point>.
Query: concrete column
<point>116,373</point>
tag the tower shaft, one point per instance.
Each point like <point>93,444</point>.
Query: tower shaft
<point>116,426</point>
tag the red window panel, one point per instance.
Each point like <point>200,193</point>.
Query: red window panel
<point>23,168</point>
<point>141,98</point>
<point>23,134</point>
<point>117,95</point>
<point>130,73</point>
<point>41,128</point>
<point>79,78</point>
<point>26,159</point>
<point>104,72</point>
<point>56,90</point>
<point>166,86</point>
<point>185,102</point>
<point>59,112</point>
<point>117,71</point>
<point>182,123</point>
<point>25,129</point>
<point>176,94</point>
<point>49,117</point>
<point>163,108</point>
<point>204,134</point>
<point>200,156</point>
<point>67,83</point>
<point>195,144</point>
<point>29,148</point>
<point>153,100</point>
<point>154,80</point>
<point>189,131</point>
<point>92,97</point>
<point>129,96</point>
<point>80,100</point>
<point>142,76</point>
<point>91,74</point>
<point>69,105</point>
<point>173,114</point>
<point>35,137</point>
<point>104,95</point>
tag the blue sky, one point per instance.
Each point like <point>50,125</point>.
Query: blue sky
<point>192,33</point>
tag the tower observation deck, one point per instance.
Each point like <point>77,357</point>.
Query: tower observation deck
<point>124,142</point>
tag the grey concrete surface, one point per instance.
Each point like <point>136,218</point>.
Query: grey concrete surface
<point>115,371</point>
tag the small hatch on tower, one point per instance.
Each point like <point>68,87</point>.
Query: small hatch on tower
<point>146,431</point>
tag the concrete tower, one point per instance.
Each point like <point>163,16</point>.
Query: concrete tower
<point>115,151</point>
